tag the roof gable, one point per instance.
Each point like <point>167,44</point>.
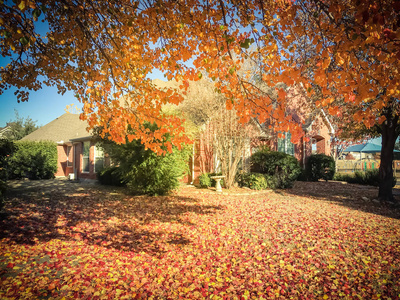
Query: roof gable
<point>67,126</point>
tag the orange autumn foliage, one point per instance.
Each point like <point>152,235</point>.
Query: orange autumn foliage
<point>344,53</point>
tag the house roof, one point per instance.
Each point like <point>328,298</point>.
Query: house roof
<point>65,127</point>
<point>313,115</point>
<point>366,148</point>
<point>4,130</point>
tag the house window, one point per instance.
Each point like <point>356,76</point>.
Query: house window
<point>285,145</point>
<point>85,157</point>
<point>98,158</point>
<point>69,156</point>
<point>314,146</point>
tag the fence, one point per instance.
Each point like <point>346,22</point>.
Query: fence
<point>350,166</point>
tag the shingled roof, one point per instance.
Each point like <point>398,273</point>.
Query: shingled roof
<point>64,128</point>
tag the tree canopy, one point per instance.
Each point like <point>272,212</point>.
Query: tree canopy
<point>345,50</point>
<point>19,127</point>
<point>343,53</point>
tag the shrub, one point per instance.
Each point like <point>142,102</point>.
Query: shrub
<point>369,177</point>
<point>281,169</point>
<point>154,174</point>
<point>110,176</point>
<point>7,148</point>
<point>145,172</point>
<point>257,181</point>
<point>303,176</point>
<point>34,160</point>
<point>320,166</point>
<point>242,178</point>
<point>205,180</point>
<point>343,177</point>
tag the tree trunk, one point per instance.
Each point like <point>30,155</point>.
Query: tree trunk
<point>389,136</point>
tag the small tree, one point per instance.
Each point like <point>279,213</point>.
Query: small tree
<point>228,137</point>
<point>20,127</point>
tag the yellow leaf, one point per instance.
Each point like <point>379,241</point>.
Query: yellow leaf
<point>21,6</point>
<point>326,296</point>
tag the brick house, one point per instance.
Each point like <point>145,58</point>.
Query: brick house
<point>78,154</point>
<point>318,132</point>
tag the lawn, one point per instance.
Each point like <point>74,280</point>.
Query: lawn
<point>316,241</point>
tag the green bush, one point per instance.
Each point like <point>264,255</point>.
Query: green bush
<point>343,177</point>
<point>320,166</point>
<point>34,160</point>
<point>257,181</point>
<point>145,172</point>
<point>153,174</point>
<point>7,148</point>
<point>242,178</point>
<point>205,180</point>
<point>110,176</point>
<point>369,177</point>
<point>303,175</point>
<point>281,169</point>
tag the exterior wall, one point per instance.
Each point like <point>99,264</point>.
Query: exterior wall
<point>69,163</point>
<point>203,158</point>
<point>79,161</point>
<point>320,132</point>
<point>298,106</point>
<point>61,161</point>
<point>187,178</point>
<point>63,168</point>
<point>77,156</point>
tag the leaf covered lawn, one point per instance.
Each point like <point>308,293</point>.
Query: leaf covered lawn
<point>198,244</point>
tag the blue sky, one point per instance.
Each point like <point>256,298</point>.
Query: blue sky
<point>43,106</point>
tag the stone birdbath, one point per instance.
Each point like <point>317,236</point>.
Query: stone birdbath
<point>218,182</point>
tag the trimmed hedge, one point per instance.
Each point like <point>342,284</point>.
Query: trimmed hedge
<point>369,177</point>
<point>320,166</point>
<point>281,170</point>
<point>34,160</point>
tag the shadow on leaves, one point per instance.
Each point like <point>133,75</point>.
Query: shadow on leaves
<point>98,217</point>
<point>353,196</point>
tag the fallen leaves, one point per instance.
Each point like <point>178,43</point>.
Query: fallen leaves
<point>194,246</point>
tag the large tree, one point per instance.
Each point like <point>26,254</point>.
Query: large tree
<point>344,51</point>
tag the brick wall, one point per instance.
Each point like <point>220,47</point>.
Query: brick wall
<point>61,161</point>
<point>79,161</point>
